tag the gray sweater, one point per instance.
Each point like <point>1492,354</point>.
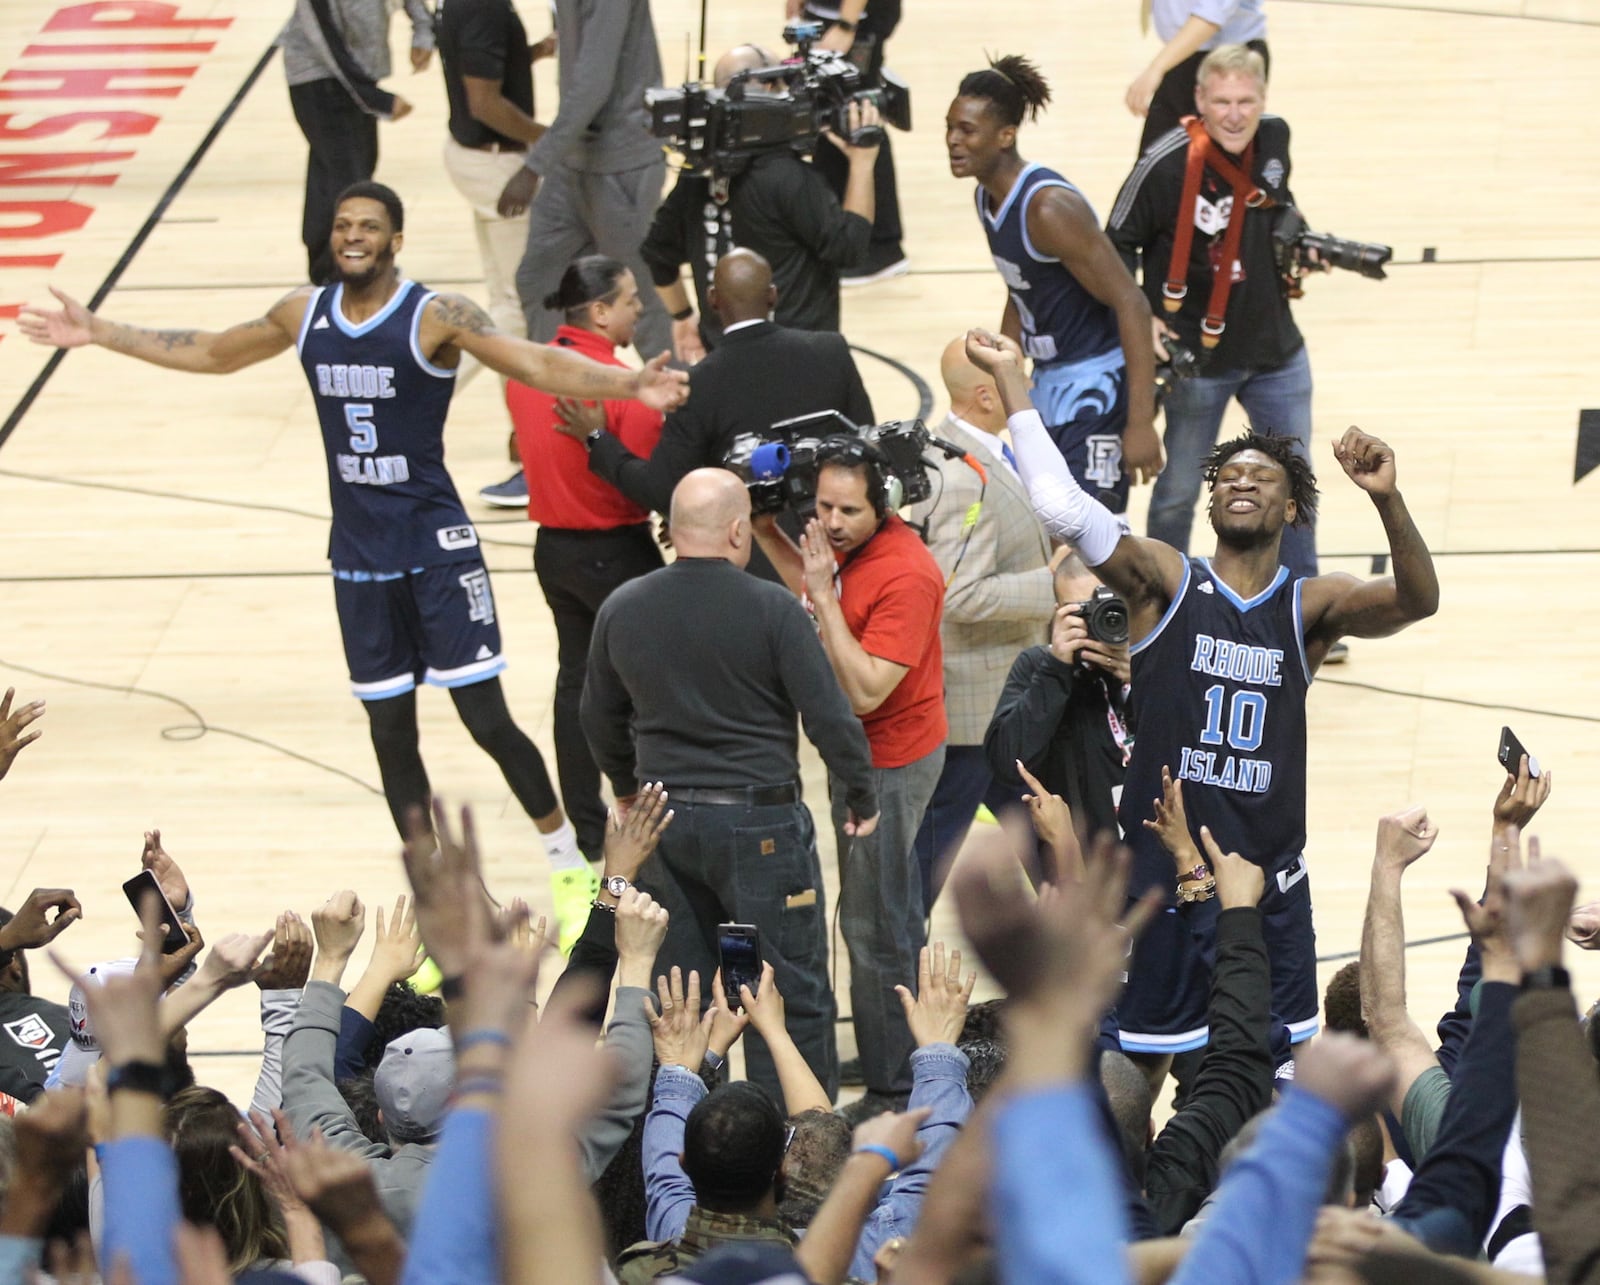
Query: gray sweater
<point>348,41</point>
<point>608,58</point>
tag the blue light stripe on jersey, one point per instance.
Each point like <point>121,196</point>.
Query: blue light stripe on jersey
<point>439,372</point>
<point>373,322</point>
<point>1235,599</point>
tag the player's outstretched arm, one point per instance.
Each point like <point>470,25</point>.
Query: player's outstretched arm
<point>1145,572</point>
<point>455,319</point>
<point>1337,605</point>
<point>201,352</point>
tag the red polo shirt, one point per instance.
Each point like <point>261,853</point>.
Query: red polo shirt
<point>892,593</point>
<point>561,491</point>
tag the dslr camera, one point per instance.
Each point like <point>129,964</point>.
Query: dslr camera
<point>1181,364</point>
<point>719,131</point>
<point>1292,242</point>
<point>779,467</point>
<point>1105,616</point>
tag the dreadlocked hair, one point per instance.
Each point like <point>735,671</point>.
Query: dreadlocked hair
<point>1013,84</point>
<point>1285,452</point>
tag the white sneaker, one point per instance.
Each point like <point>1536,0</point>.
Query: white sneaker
<point>898,268</point>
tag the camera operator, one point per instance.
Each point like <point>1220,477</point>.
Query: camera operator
<point>1063,711</point>
<point>764,373</point>
<point>1207,194</point>
<point>780,207</point>
<point>877,595</point>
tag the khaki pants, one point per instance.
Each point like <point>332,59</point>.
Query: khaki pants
<point>480,176</point>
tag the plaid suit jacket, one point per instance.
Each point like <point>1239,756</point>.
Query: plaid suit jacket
<point>1001,597</point>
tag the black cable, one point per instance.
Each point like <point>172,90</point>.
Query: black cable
<point>198,727</point>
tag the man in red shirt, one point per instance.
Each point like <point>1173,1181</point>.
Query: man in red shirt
<point>591,539</point>
<point>877,595</point>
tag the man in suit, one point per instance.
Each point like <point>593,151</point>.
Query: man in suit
<point>760,374</point>
<point>998,600</point>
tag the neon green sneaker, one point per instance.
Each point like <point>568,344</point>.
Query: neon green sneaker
<point>573,892</point>
<point>427,979</point>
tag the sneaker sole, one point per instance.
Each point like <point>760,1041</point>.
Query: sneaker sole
<point>899,269</point>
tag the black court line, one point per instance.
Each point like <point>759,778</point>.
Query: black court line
<point>140,237</point>
<point>1498,707</point>
<point>924,393</point>
<point>1344,955</point>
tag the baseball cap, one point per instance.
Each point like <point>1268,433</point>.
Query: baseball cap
<point>414,1082</point>
<point>83,1050</point>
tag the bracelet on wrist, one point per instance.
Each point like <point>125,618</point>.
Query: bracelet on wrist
<point>483,1035</point>
<point>1549,978</point>
<point>875,1149</point>
<point>141,1077</point>
<point>685,314</point>
<point>1192,890</point>
<point>478,1082</point>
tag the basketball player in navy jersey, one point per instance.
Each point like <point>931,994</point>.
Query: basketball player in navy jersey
<point>1223,651</point>
<point>413,596</point>
<point>1071,304</point>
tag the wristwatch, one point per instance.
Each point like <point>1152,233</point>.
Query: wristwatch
<point>592,437</point>
<point>616,885</point>
<point>141,1077</point>
<point>1549,978</point>
<point>845,25</point>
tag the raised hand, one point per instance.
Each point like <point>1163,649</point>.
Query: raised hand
<point>335,1184</point>
<point>632,833</point>
<point>1352,1075</point>
<point>991,353</point>
<point>261,1153</point>
<point>1403,837</point>
<point>338,924</point>
<point>681,1035</point>
<point>1521,796</point>
<point>765,1008</point>
<point>817,560</point>
<point>288,966</point>
<point>1171,824</point>
<point>1538,909</point>
<point>641,928</point>
<point>1367,462</point>
<point>1052,822</point>
<point>70,326</point>
<point>33,925</point>
<point>896,1131</point>
<point>1240,881</point>
<point>451,903</point>
<point>13,737</point>
<point>233,960</point>
<point>728,1020</point>
<point>169,876</point>
<point>939,1010</point>
<point>397,952</point>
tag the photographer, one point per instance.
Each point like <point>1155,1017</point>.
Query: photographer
<point>1178,218</point>
<point>1064,710</point>
<point>877,594</point>
<point>780,207</point>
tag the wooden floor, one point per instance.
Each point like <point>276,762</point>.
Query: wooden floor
<point>165,536</point>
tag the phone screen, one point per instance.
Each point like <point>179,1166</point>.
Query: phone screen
<point>141,886</point>
<point>740,948</point>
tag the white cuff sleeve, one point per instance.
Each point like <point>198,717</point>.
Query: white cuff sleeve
<point>1066,510</point>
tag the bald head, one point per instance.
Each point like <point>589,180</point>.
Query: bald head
<point>711,516</point>
<point>741,288</point>
<point>973,395</point>
<point>740,58</point>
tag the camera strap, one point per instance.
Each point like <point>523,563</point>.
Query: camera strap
<point>1246,195</point>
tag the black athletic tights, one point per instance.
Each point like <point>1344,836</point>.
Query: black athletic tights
<point>482,707</point>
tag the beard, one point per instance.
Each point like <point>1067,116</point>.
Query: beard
<point>379,264</point>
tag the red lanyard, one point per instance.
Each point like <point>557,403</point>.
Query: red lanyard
<point>1203,152</point>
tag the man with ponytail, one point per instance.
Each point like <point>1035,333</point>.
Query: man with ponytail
<point>591,539</point>
<point>1071,304</point>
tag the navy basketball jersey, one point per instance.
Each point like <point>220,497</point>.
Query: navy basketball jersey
<point>382,408</point>
<point>1061,321</point>
<point>1219,698</point>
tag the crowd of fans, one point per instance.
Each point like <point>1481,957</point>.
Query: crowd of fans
<point>478,1136</point>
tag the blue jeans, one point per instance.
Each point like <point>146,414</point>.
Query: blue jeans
<point>1277,401</point>
<point>880,914</point>
<point>728,863</point>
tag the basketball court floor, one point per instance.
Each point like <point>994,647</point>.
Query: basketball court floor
<point>165,586</point>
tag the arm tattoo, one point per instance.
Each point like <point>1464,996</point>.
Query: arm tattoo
<point>461,313</point>
<point>167,340</point>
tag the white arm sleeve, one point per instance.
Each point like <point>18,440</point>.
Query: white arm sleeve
<point>1067,511</point>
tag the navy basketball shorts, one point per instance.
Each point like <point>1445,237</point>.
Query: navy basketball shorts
<point>1085,407</point>
<point>434,624</point>
<point>1164,1007</point>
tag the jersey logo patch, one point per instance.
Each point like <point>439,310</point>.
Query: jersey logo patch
<point>1205,587</point>
<point>1291,875</point>
<point>484,653</point>
<point>1105,460</point>
<point>480,602</point>
<point>1211,217</point>
<point>31,1032</point>
<point>1272,172</point>
<point>321,323</point>
<point>457,537</point>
